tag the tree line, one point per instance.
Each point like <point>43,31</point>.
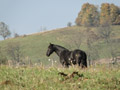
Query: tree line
<point>90,15</point>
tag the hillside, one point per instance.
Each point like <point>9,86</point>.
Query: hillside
<point>34,46</point>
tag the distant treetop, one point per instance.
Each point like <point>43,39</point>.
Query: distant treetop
<point>90,16</point>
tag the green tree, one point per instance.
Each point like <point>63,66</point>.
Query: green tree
<point>4,31</point>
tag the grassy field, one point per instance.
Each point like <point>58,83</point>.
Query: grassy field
<point>34,46</point>
<point>101,77</point>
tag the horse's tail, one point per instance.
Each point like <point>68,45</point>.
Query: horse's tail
<point>82,58</point>
<point>85,59</point>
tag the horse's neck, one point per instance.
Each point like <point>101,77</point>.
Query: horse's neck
<point>59,49</point>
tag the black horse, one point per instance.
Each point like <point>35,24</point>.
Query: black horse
<point>68,57</point>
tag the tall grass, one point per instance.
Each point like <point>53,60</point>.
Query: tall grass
<point>101,77</point>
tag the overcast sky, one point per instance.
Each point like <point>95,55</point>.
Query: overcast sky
<point>28,16</point>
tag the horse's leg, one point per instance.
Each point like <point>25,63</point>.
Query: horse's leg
<point>83,63</point>
<point>79,62</point>
<point>82,66</point>
<point>66,65</point>
<point>63,63</point>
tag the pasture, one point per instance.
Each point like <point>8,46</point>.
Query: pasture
<point>33,47</point>
<point>100,77</point>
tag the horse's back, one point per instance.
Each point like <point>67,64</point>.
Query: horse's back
<point>79,52</point>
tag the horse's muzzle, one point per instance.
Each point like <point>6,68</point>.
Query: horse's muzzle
<point>47,54</point>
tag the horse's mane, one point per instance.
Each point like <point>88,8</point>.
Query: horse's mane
<point>60,47</point>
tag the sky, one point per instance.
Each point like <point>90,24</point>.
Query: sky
<point>31,16</point>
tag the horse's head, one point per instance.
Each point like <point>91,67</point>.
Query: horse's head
<point>50,50</point>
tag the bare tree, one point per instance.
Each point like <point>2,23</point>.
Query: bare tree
<point>3,58</point>
<point>16,35</point>
<point>69,24</point>
<point>4,31</point>
<point>92,51</point>
<point>14,51</point>
<point>43,28</point>
<point>73,39</point>
<point>77,39</point>
<point>105,32</point>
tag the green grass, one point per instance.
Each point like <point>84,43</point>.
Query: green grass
<point>101,77</point>
<point>35,46</point>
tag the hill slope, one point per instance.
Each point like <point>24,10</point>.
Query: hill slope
<point>34,46</point>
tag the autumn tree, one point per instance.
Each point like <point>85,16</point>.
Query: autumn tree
<point>4,31</point>
<point>105,13</point>
<point>117,21</point>
<point>109,13</point>
<point>88,16</point>
<point>114,13</point>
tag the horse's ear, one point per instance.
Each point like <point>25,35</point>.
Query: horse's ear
<point>51,44</point>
